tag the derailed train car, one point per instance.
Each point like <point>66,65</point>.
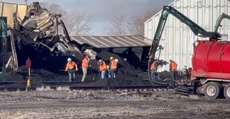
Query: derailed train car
<point>35,33</point>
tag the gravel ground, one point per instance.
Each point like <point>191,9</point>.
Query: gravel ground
<point>108,104</point>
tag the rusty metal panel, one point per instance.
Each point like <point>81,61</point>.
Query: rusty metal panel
<point>8,10</point>
<point>21,12</point>
<point>112,41</point>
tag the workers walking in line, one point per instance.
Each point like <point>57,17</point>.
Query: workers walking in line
<point>85,65</point>
<point>71,67</point>
<point>173,69</point>
<point>113,68</point>
<point>102,67</point>
<point>153,69</point>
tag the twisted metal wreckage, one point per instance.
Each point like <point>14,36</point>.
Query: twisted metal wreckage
<point>37,35</point>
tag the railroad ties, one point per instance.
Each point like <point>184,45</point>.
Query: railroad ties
<point>113,88</point>
<point>101,85</point>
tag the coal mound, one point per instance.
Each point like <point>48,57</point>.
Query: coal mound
<point>127,74</point>
<point>166,74</point>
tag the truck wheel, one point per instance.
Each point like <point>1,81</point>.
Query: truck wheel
<point>227,92</point>
<point>212,90</point>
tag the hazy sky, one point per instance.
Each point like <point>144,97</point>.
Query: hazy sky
<point>104,10</point>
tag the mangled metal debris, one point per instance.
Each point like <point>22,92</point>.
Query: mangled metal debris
<point>37,33</point>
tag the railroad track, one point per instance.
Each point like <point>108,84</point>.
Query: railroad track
<point>100,84</point>
<point>48,87</point>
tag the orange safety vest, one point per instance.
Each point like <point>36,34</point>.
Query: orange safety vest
<point>71,65</point>
<point>113,65</point>
<point>103,66</point>
<point>153,66</point>
<point>174,66</point>
<point>85,63</point>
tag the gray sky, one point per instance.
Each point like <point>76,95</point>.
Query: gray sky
<point>104,10</point>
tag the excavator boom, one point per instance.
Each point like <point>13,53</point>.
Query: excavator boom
<point>195,28</point>
<point>219,20</point>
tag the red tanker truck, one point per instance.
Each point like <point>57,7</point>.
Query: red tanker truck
<point>211,68</point>
<point>211,60</point>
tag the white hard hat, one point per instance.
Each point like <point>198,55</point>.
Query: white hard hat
<point>69,59</point>
<point>116,60</point>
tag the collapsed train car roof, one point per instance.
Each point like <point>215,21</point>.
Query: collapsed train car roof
<point>113,41</point>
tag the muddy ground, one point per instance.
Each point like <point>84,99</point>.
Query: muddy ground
<point>106,104</point>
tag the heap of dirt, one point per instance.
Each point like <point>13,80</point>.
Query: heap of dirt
<point>166,74</point>
<point>127,75</point>
<point>36,75</point>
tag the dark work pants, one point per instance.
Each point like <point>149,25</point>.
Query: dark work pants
<point>153,74</point>
<point>173,75</point>
<point>113,74</point>
<point>71,75</point>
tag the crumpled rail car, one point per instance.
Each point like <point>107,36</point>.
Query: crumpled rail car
<point>36,34</point>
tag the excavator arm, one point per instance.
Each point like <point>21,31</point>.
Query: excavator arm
<point>219,20</point>
<point>195,28</point>
<point>3,51</point>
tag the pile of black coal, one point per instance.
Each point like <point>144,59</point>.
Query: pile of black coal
<point>36,75</point>
<point>166,74</point>
<point>127,75</point>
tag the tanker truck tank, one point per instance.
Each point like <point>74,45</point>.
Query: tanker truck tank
<point>212,60</point>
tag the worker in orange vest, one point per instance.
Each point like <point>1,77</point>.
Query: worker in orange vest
<point>71,67</point>
<point>85,65</point>
<point>173,69</point>
<point>102,67</point>
<point>113,68</point>
<point>153,69</point>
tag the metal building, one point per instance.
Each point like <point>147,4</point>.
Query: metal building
<point>177,39</point>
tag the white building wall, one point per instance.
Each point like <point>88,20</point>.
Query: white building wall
<point>177,38</point>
